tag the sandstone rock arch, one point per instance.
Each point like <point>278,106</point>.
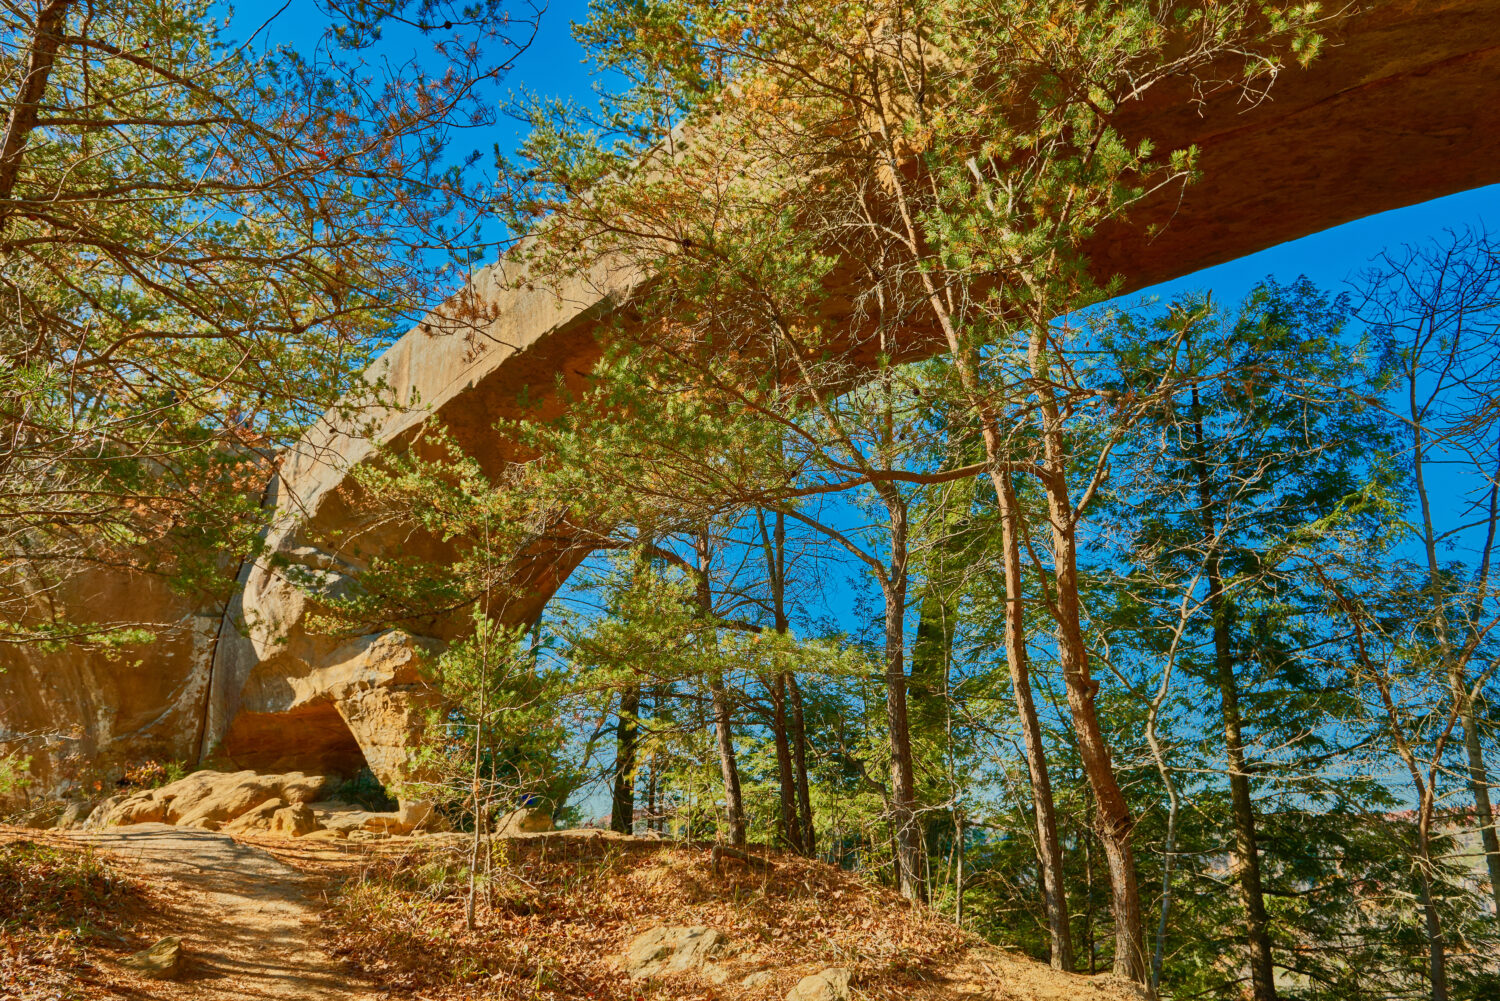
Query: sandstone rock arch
<point>1404,106</point>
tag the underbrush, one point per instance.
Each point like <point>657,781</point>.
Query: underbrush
<point>364,790</point>
<point>557,914</point>
<point>56,901</point>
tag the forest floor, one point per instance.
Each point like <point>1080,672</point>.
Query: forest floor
<point>248,923</point>
<point>271,918</point>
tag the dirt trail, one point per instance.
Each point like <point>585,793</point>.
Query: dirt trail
<point>245,919</point>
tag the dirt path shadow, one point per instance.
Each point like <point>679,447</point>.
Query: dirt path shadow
<point>246,921</point>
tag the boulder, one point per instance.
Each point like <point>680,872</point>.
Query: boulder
<point>299,788</point>
<point>348,818</point>
<point>228,800</point>
<point>414,815</point>
<point>258,819</point>
<point>294,821</point>
<point>325,834</point>
<point>382,823</point>
<point>212,800</point>
<point>827,985</point>
<point>661,951</point>
<point>163,961</point>
<point>523,821</point>
<point>137,810</point>
<point>100,814</point>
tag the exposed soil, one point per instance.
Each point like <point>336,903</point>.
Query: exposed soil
<point>248,922</point>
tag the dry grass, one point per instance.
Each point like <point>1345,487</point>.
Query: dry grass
<point>560,911</point>
<point>61,910</point>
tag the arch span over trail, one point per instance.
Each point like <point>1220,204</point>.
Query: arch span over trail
<point>1403,106</point>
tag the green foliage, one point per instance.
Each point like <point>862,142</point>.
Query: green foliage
<point>497,742</point>
<point>203,241</point>
<point>14,777</point>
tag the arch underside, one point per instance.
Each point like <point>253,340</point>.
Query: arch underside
<point>311,738</point>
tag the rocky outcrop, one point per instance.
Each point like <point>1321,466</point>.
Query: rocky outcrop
<point>523,821</point>
<point>664,951</point>
<point>826,985</point>
<point>294,821</point>
<point>163,961</point>
<point>247,802</point>
<point>209,799</point>
<point>83,714</point>
<point>360,704</point>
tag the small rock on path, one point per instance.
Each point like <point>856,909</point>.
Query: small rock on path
<point>248,927</point>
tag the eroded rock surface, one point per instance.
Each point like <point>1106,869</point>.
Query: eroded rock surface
<point>249,802</point>
<point>663,951</point>
<point>162,961</point>
<point>209,799</point>
<point>523,821</point>
<point>826,985</point>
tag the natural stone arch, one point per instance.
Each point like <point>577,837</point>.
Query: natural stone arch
<point>1402,107</point>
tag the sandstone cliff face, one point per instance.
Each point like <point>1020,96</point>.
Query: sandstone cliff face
<point>201,690</point>
<point>361,704</point>
<point>82,715</point>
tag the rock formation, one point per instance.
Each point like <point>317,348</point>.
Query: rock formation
<point>291,804</point>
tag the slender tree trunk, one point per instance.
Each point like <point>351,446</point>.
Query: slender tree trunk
<point>480,802</point>
<point>46,37</point>
<point>1247,848</point>
<point>734,807</point>
<point>1113,820</point>
<point>729,769</point>
<point>622,802</point>
<point>958,874</point>
<point>1437,959</point>
<point>1169,849</point>
<point>790,829</point>
<point>1088,918</point>
<point>806,836</point>
<point>1479,783</point>
<point>799,759</point>
<point>1049,851</point>
<point>908,834</point>
<point>1479,780</point>
<point>903,781</point>
<point>774,544</point>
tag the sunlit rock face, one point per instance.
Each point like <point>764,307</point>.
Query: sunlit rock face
<point>82,715</point>
<point>1401,107</point>
<point>362,705</point>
